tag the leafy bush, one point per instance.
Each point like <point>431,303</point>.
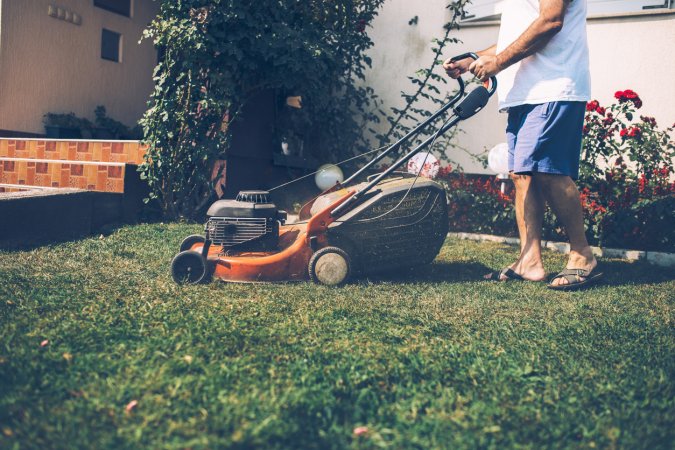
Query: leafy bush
<point>216,56</point>
<point>626,184</point>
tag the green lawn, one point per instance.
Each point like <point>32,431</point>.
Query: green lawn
<point>426,359</point>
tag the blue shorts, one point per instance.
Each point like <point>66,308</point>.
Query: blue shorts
<point>545,138</point>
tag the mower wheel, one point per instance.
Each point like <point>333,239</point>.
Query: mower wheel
<point>189,241</point>
<point>189,267</point>
<point>330,266</point>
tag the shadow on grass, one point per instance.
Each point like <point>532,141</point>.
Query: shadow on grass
<point>441,271</point>
<point>616,273</point>
<point>621,273</point>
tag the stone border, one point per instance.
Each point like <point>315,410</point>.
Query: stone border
<point>658,258</point>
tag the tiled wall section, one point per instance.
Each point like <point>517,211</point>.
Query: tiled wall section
<point>123,152</point>
<point>93,177</point>
<point>95,174</point>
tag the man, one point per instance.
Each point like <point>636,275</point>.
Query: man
<point>541,62</point>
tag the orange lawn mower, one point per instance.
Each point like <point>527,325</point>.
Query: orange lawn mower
<point>390,221</point>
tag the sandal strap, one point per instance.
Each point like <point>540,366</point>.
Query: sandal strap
<point>579,272</point>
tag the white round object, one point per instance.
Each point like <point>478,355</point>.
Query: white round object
<point>426,159</point>
<point>328,176</point>
<point>498,158</point>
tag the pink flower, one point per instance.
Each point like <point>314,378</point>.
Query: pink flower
<point>44,343</point>
<point>359,431</point>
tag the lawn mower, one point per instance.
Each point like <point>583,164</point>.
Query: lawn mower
<point>389,221</point>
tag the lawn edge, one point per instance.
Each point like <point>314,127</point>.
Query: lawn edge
<point>663,259</point>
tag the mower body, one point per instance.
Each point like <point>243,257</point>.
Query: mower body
<point>401,223</point>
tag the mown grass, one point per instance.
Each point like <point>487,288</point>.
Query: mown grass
<point>430,358</point>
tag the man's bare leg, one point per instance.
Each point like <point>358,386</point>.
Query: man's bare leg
<point>529,217</point>
<point>563,196</point>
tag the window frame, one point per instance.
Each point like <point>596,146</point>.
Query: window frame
<point>98,4</point>
<point>119,45</point>
<point>595,8</point>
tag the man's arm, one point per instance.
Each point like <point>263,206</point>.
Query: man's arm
<point>456,68</point>
<point>533,39</point>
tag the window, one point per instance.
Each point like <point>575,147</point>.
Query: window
<point>122,7</point>
<point>623,6</point>
<point>111,45</point>
<point>479,10</point>
<point>483,10</point>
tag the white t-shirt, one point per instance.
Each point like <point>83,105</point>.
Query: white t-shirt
<point>557,72</point>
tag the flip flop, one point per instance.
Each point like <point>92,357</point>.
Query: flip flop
<point>576,279</point>
<point>508,273</point>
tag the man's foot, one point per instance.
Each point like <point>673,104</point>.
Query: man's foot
<point>519,272</point>
<point>578,272</point>
<point>573,279</point>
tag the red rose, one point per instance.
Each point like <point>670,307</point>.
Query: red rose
<point>650,120</point>
<point>624,132</point>
<point>630,95</point>
<point>635,132</point>
<point>592,105</point>
<point>600,110</point>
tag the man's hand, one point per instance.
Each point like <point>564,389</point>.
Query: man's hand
<point>456,68</point>
<point>485,67</point>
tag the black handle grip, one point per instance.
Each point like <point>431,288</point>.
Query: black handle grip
<point>493,80</point>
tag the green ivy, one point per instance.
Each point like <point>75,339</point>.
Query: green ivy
<point>216,55</point>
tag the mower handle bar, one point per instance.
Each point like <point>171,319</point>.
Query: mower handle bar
<point>490,84</point>
<point>473,103</point>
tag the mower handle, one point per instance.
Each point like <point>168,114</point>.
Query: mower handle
<point>491,84</point>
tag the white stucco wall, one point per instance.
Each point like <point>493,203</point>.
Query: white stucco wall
<point>49,65</point>
<point>627,52</point>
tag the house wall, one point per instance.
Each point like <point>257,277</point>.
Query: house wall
<point>50,65</point>
<point>627,52</point>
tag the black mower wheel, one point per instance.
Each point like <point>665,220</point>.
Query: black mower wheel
<point>330,266</point>
<point>189,267</point>
<point>191,240</point>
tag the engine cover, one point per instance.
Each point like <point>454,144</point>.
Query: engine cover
<point>249,223</point>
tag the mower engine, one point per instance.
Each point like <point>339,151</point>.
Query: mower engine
<point>249,223</point>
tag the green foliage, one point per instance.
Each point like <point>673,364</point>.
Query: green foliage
<point>67,120</point>
<point>114,129</point>
<point>430,358</point>
<point>217,55</point>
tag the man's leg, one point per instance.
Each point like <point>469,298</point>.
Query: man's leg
<point>563,197</point>
<point>529,217</point>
